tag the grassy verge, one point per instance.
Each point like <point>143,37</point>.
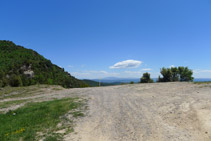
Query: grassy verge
<point>10,103</point>
<point>40,120</point>
<point>16,92</point>
<point>202,82</point>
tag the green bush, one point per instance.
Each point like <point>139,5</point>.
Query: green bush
<point>146,78</point>
<point>174,74</point>
<point>131,82</point>
<point>185,74</point>
<point>15,81</point>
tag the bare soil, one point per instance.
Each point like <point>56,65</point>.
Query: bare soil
<point>146,112</point>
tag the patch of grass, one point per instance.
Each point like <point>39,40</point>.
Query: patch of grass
<point>203,84</point>
<point>10,103</point>
<point>53,137</point>
<point>9,92</point>
<point>25,122</point>
<point>15,92</point>
<point>78,114</point>
<point>209,82</point>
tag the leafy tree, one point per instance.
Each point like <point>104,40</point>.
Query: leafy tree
<point>25,80</point>
<point>185,74</point>
<point>4,82</point>
<point>146,78</point>
<point>2,74</point>
<point>15,81</point>
<point>176,74</point>
<point>1,83</point>
<point>167,75</point>
<point>50,81</point>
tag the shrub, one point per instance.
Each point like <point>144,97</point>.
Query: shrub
<point>176,74</point>
<point>167,75</point>
<point>146,78</point>
<point>15,81</point>
<point>131,82</point>
<point>185,74</point>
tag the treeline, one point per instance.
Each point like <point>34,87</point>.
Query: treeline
<point>23,67</point>
<point>173,74</point>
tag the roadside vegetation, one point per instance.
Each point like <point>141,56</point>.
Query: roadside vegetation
<point>20,92</point>
<point>209,82</point>
<point>174,74</point>
<point>146,78</point>
<point>41,120</point>
<point>11,103</point>
<point>203,84</point>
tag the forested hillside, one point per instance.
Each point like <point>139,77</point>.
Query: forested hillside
<point>23,67</point>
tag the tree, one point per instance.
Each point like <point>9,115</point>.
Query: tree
<point>146,78</point>
<point>50,81</point>
<point>15,81</point>
<point>2,74</point>
<point>185,74</point>
<point>176,74</point>
<point>167,75</point>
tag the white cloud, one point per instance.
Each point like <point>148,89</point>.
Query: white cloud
<point>126,64</point>
<point>172,66</point>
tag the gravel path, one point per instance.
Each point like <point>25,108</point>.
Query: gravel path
<point>139,112</point>
<point>146,112</point>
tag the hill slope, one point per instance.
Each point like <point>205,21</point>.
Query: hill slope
<point>23,67</point>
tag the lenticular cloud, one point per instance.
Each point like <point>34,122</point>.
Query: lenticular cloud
<point>126,64</point>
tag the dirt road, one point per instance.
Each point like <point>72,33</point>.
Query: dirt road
<point>139,112</point>
<point>146,112</point>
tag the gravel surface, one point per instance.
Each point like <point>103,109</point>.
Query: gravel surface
<point>139,112</point>
<point>146,112</point>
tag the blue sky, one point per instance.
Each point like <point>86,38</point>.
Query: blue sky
<point>120,38</point>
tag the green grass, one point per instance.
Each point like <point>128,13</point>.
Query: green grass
<point>202,82</point>
<point>16,92</point>
<point>19,91</point>
<point>25,122</point>
<point>10,103</point>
